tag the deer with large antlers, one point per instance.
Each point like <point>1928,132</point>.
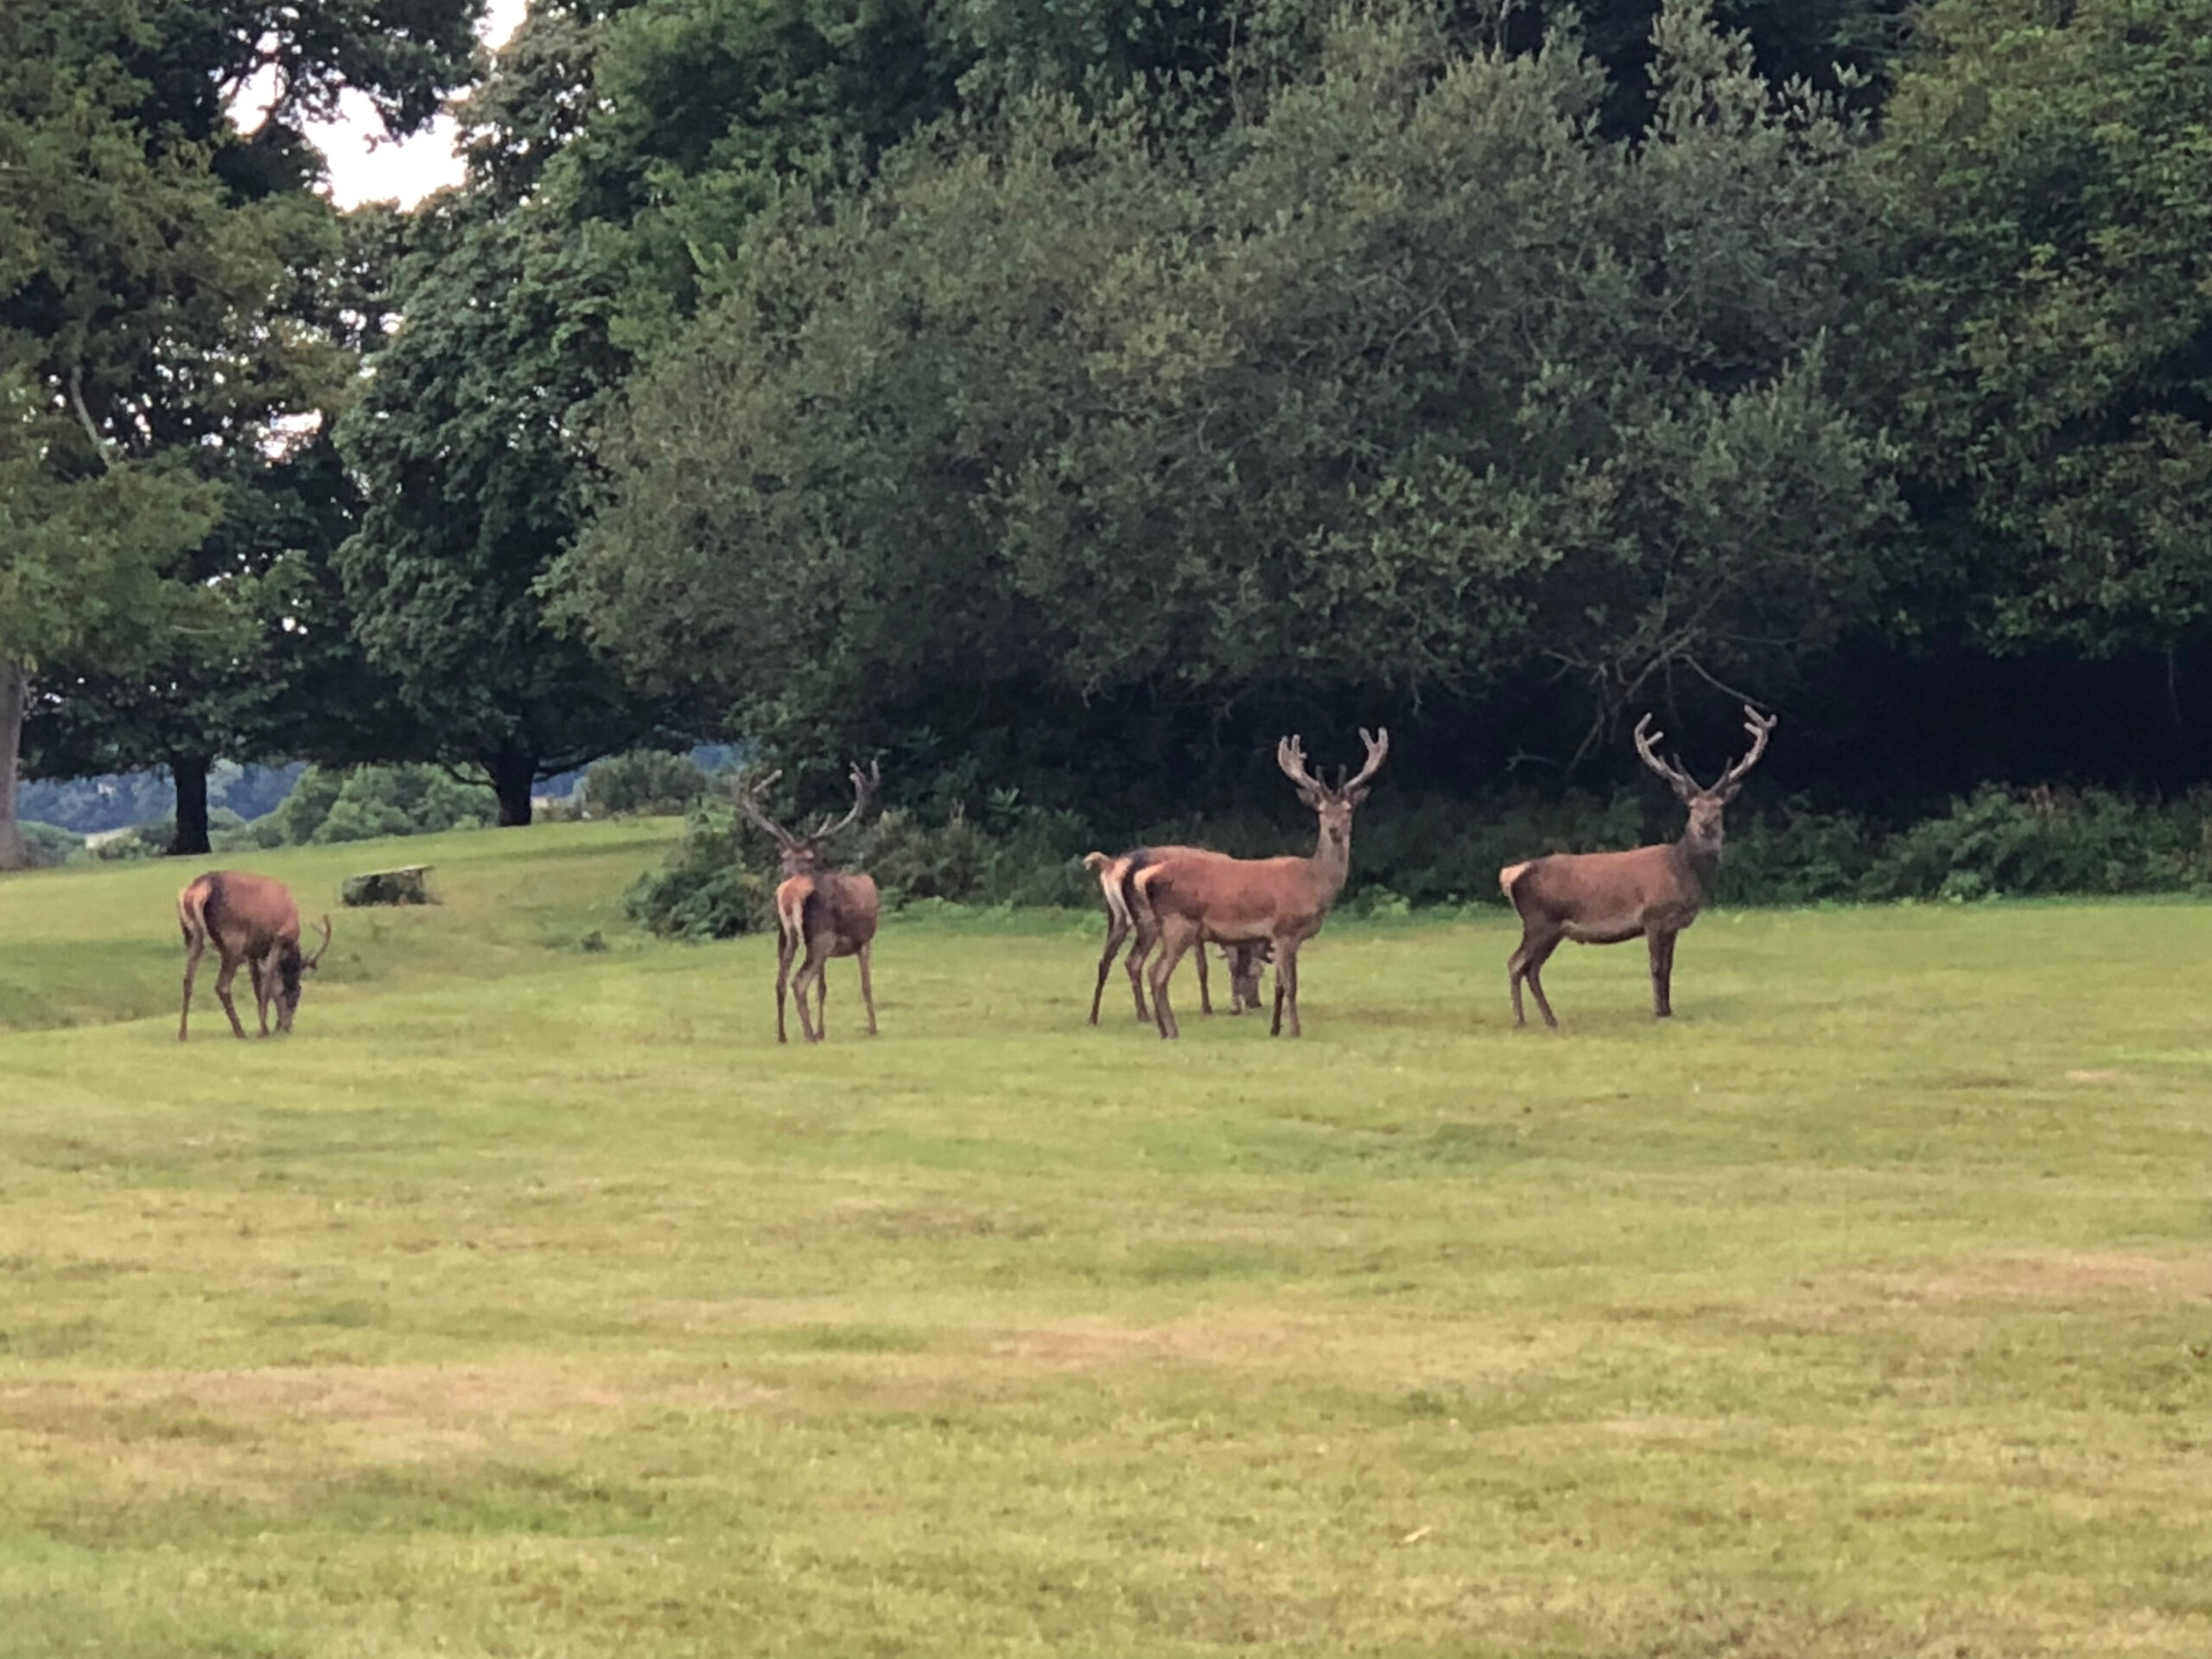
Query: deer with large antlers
<point>251,920</point>
<point>820,912</point>
<point>1650,893</point>
<point>1115,872</point>
<point>1280,901</point>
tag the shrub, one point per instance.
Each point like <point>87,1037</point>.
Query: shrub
<point>49,844</point>
<point>326,805</point>
<point>1413,854</point>
<point>645,783</point>
<point>711,888</point>
<point>2045,841</point>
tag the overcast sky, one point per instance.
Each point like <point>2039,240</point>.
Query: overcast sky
<point>405,172</point>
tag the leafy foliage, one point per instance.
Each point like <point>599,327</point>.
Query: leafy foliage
<point>2046,335</point>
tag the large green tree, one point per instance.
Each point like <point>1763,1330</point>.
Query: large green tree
<point>160,256</point>
<point>1404,381</point>
<point>466,445</point>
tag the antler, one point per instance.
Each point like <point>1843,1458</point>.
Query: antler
<point>865,784</point>
<point>1758,726</point>
<point>1290,755</point>
<point>320,948</point>
<point>1646,745</point>
<point>746,792</point>
<point>1378,749</point>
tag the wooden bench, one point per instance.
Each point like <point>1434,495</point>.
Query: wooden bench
<point>410,885</point>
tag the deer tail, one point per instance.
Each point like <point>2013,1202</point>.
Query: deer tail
<point>793,901</point>
<point>192,912</point>
<point>1511,874</point>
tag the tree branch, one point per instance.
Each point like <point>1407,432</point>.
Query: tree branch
<point>85,416</point>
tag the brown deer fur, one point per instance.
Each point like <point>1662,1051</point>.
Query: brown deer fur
<point>820,913</point>
<point>1281,901</point>
<point>1651,892</point>
<point>249,919</point>
<point>1115,872</point>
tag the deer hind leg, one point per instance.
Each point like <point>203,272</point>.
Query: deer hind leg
<point>1116,932</point>
<point>868,991</point>
<point>786,948</point>
<point>822,998</point>
<point>1205,992</point>
<point>1147,939</point>
<point>1286,988</point>
<point>223,994</point>
<point>1174,939</point>
<point>195,946</point>
<point>1662,975</point>
<point>810,975</point>
<point>1528,963</point>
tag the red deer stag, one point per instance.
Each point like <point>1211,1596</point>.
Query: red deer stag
<point>1279,901</point>
<point>820,912</point>
<point>1651,892</point>
<point>249,919</point>
<point>1246,961</point>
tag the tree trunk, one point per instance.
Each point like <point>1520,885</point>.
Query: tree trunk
<point>190,772</point>
<point>14,703</point>
<point>511,776</point>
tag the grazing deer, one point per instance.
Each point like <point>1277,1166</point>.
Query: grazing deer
<point>1246,961</point>
<point>1651,892</point>
<point>1280,901</point>
<point>249,919</point>
<point>820,912</point>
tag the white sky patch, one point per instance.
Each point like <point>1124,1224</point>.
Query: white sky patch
<point>365,165</point>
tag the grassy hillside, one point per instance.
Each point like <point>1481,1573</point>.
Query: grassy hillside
<point>92,943</point>
<point>530,1301</point>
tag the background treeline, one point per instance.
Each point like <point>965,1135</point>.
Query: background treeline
<point>1062,402</point>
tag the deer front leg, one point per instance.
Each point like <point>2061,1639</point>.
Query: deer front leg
<point>264,979</point>
<point>1663,974</point>
<point>223,996</point>
<point>1205,992</point>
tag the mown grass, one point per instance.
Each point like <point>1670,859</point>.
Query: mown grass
<point>530,1301</point>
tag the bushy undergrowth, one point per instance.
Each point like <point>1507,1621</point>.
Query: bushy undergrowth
<point>1422,854</point>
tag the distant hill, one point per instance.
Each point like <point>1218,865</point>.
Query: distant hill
<point>89,805</point>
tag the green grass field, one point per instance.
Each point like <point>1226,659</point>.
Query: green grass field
<point>530,1301</point>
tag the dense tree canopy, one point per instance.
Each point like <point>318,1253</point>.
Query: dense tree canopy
<point>1408,381</point>
<point>1059,396</point>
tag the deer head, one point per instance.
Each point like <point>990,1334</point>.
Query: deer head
<point>290,967</point>
<point>1706,834</point>
<point>802,855</point>
<point>1334,806</point>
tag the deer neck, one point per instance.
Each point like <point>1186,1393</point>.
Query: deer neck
<point>1698,866</point>
<point>1331,865</point>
